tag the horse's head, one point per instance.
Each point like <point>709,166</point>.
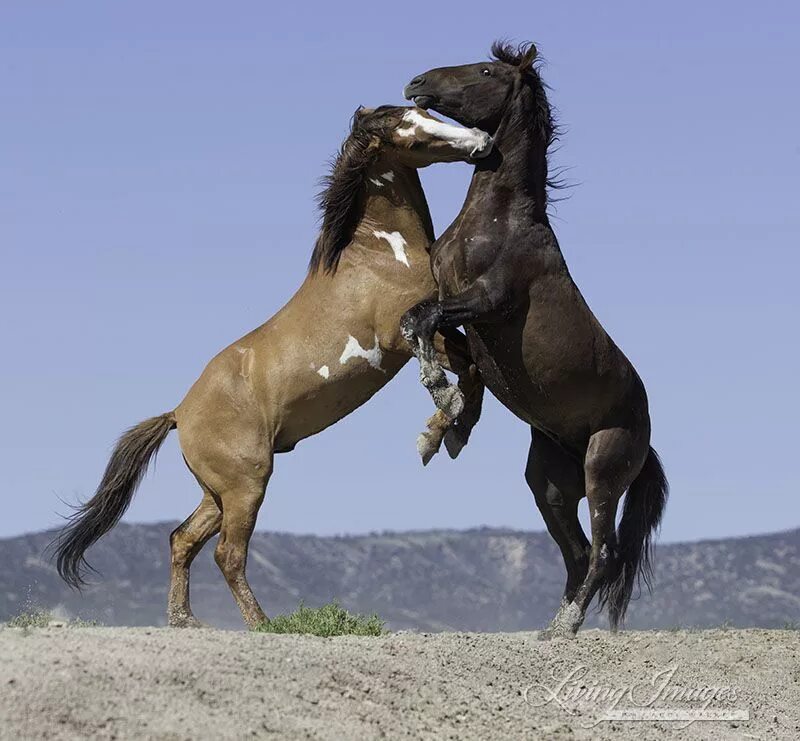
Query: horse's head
<point>475,94</point>
<point>417,138</point>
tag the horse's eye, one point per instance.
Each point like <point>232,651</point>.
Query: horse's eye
<point>486,72</point>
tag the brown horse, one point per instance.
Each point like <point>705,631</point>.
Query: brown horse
<point>539,348</point>
<point>319,358</point>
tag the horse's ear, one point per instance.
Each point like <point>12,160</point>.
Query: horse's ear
<point>528,57</point>
<point>361,112</point>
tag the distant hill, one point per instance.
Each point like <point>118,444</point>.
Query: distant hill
<point>476,580</point>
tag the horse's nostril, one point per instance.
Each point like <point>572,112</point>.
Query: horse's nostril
<point>417,81</point>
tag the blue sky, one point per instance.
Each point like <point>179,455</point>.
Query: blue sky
<point>158,163</point>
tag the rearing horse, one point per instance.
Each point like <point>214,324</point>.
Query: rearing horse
<point>319,358</point>
<point>539,348</point>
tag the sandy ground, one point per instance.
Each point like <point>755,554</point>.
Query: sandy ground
<point>158,683</point>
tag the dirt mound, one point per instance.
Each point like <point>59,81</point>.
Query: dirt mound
<point>160,683</point>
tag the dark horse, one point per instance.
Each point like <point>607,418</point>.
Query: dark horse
<point>538,346</point>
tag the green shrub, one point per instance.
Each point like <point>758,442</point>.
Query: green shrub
<point>37,617</point>
<point>34,617</point>
<point>328,620</point>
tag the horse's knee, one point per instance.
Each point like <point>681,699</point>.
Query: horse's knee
<point>230,557</point>
<point>180,546</point>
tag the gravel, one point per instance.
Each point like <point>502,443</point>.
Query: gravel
<point>105,683</point>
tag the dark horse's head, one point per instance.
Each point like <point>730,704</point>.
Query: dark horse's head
<point>505,97</point>
<point>477,94</point>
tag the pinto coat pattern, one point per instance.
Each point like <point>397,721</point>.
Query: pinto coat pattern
<point>324,354</point>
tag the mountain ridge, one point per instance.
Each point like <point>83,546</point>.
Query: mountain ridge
<point>485,579</point>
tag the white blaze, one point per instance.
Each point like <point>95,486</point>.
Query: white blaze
<point>353,349</point>
<point>324,371</point>
<point>470,140</point>
<point>398,244</point>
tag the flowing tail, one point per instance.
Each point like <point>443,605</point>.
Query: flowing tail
<point>125,470</point>
<point>641,516</point>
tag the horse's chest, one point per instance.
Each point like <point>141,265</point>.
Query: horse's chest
<point>457,262</point>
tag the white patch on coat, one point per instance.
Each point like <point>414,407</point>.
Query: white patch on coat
<point>397,243</point>
<point>470,141</point>
<point>353,349</point>
<point>376,182</point>
<point>324,371</point>
<point>389,176</point>
<point>247,357</point>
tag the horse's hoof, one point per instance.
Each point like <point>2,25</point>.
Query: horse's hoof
<point>450,400</point>
<point>557,633</point>
<point>185,621</point>
<point>427,447</point>
<point>454,443</point>
<point>565,624</point>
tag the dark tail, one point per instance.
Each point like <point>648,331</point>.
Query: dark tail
<point>90,521</point>
<point>641,516</point>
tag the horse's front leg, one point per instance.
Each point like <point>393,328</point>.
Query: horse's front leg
<point>419,325</point>
<point>452,351</point>
<point>456,357</point>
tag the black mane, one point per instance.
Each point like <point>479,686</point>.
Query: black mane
<point>341,200</point>
<point>544,122</point>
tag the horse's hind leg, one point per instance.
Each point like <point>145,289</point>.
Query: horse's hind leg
<point>557,483</point>
<point>241,501</point>
<point>609,472</point>
<point>186,541</point>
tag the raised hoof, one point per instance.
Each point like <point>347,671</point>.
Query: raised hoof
<point>450,400</point>
<point>427,447</point>
<point>454,443</point>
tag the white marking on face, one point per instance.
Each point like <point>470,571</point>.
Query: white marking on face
<point>470,141</point>
<point>398,245</point>
<point>353,349</point>
<point>377,183</point>
<point>324,371</point>
<point>388,176</point>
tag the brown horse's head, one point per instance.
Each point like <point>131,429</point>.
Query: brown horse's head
<point>476,94</point>
<point>417,138</point>
<point>405,135</point>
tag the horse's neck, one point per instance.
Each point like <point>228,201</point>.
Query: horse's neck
<point>395,204</point>
<point>517,166</point>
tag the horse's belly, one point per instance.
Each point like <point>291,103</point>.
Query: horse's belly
<point>550,394</point>
<point>312,404</point>
<point>505,380</point>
